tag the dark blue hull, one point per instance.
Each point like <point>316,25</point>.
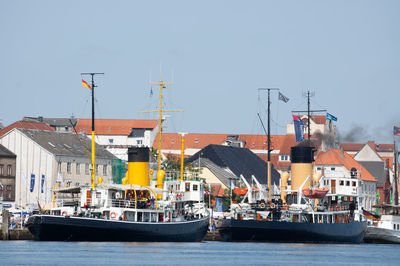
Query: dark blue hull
<point>60,228</point>
<point>274,231</point>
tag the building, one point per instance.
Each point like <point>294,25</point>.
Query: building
<point>346,178</point>
<point>59,124</point>
<point>225,165</point>
<point>116,135</point>
<point>46,158</point>
<point>320,128</point>
<point>378,160</point>
<point>7,176</point>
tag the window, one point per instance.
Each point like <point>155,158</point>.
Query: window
<point>318,168</point>
<point>139,142</point>
<point>59,167</point>
<point>1,169</point>
<point>332,168</point>
<point>187,187</point>
<point>195,187</point>
<point>105,169</point>
<point>86,169</point>
<point>341,183</point>
<point>78,168</point>
<point>347,183</point>
<point>111,141</point>
<point>68,168</point>
<point>9,170</point>
<point>97,168</point>
<point>354,183</point>
<point>8,192</point>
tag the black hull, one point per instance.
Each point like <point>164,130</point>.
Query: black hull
<point>60,228</point>
<point>271,231</point>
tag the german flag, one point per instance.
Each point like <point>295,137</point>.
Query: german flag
<point>85,84</point>
<point>371,216</point>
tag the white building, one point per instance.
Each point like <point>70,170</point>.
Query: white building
<point>46,158</point>
<point>346,178</point>
<point>116,135</point>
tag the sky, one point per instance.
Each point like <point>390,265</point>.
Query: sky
<point>217,54</point>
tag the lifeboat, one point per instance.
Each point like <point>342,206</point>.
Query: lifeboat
<point>240,191</point>
<point>316,193</point>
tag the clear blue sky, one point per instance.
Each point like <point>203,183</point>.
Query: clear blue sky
<point>217,53</point>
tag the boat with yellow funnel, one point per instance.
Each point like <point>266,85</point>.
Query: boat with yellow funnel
<point>297,216</point>
<point>139,209</point>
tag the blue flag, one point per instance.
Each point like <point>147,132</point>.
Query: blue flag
<point>330,117</point>
<point>41,189</point>
<point>298,128</point>
<point>283,97</point>
<point>32,183</point>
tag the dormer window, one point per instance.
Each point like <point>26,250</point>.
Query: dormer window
<point>196,140</point>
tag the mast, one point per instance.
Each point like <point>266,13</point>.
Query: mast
<point>269,139</point>
<point>308,114</point>
<point>396,193</point>
<point>93,128</point>
<point>160,111</point>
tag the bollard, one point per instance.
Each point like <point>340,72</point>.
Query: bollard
<point>6,225</point>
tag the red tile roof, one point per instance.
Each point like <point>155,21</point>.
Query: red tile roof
<point>113,126</point>
<point>318,119</point>
<point>355,147</point>
<point>337,157</point>
<point>172,141</point>
<point>26,125</point>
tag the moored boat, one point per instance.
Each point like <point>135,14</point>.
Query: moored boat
<point>294,217</point>
<point>384,229</point>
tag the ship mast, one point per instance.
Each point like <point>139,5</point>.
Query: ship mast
<point>93,128</point>
<point>160,111</point>
<point>269,139</point>
<point>396,193</point>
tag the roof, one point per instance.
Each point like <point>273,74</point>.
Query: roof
<point>54,122</point>
<point>240,161</point>
<point>172,141</point>
<point>63,143</point>
<point>26,125</point>
<point>6,153</point>
<point>355,147</point>
<point>113,126</point>
<point>339,157</point>
<point>377,169</point>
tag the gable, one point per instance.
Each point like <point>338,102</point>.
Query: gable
<point>367,154</point>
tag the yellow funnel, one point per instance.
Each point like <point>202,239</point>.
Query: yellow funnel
<point>138,166</point>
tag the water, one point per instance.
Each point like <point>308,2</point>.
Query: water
<point>116,253</point>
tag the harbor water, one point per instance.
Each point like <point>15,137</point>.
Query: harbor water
<point>204,253</point>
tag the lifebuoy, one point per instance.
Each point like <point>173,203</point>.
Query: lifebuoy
<point>64,213</point>
<point>113,215</point>
<point>273,205</point>
<point>262,205</point>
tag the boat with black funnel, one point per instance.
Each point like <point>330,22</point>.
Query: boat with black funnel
<point>294,217</point>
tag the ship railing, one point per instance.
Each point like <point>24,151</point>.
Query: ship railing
<point>140,204</point>
<point>67,203</point>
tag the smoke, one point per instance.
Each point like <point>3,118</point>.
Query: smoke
<point>356,133</point>
<point>327,141</point>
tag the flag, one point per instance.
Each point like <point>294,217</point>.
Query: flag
<point>371,216</point>
<point>32,183</point>
<point>85,84</point>
<point>298,128</point>
<point>41,187</point>
<point>283,97</point>
<point>330,117</point>
<point>396,131</point>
